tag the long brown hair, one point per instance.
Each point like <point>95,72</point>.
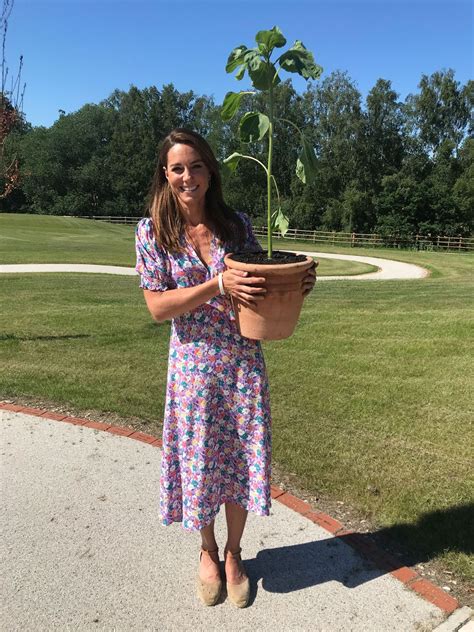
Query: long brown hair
<point>168,221</point>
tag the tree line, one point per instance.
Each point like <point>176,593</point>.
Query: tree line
<point>383,165</point>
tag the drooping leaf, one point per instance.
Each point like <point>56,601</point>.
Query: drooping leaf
<point>232,161</point>
<point>241,72</point>
<point>268,40</point>
<point>253,127</point>
<point>263,75</point>
<point>231,104</point>
<point>236,58</point>
<point>306,165</point>
<point>300,171</point>
<point>300,60</point>
<point>280,222</point>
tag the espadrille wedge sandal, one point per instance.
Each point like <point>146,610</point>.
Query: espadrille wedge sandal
<point>238,594</point>
<point>208,592</point>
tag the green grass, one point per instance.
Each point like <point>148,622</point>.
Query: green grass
<point>50,239</point>
<point>371,397</point>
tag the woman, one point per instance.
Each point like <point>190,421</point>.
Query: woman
<point>216,435</point>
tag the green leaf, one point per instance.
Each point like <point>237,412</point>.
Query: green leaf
<point>236,58</point>
<point>268,40</point>
<point>241,72</point>
<point>262,75</point>
<point>280,222</point>
<point>253,127</point>
<point>232,161</point>
<point>306,165</point>
<point>252,58</point>
<point>300,60</point>
<point>231,104</point>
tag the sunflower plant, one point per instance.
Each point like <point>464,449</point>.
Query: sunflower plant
<point>264,73</point>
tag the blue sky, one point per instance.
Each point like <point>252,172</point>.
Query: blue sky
<point>79,51</point>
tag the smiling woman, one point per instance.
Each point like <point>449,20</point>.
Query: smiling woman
<point>217,426</point>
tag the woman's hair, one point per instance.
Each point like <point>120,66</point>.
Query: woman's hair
<point>168,221</point>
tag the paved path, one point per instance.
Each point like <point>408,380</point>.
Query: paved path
<point>387,269</point>
<point>83,549</point>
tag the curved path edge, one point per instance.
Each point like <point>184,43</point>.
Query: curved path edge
<point>360,542</point>
<point>387,269</point>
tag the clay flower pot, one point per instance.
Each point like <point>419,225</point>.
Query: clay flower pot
<point>276,316</point>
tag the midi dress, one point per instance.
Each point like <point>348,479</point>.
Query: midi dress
<point>217,422</point>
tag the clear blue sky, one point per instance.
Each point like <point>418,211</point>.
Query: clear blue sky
<point>79,51</point>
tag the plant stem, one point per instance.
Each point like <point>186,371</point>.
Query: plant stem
<point>269,176</point>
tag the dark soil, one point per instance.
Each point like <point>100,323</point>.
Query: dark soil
<point>260,257</point>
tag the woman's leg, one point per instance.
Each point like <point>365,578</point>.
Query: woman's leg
<point>209,564</point>
<point>236,517</point>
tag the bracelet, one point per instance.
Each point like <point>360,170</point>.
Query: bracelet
<point>220,280</point>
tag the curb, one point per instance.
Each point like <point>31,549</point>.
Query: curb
<point>357,541</point>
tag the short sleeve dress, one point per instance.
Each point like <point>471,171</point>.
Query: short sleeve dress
<point>217,423</point>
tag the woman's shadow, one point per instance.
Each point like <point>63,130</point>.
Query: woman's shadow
<point>354,559</point>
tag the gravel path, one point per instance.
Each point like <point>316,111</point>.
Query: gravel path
<point>387,268</point>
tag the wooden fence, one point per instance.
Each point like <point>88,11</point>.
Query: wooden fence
<point>418,242</point>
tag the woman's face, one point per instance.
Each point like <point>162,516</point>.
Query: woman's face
<point>188,176</point>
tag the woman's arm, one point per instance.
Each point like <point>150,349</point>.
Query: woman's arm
<point>172,303</point>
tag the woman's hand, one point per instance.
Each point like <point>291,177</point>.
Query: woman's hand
<point>249,290</point>
<point>309,280</point>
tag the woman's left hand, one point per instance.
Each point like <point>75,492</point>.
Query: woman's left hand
<point>310,279</point>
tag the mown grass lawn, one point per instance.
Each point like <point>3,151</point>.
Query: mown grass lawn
<point>49,239</point>
<point>371,397</point>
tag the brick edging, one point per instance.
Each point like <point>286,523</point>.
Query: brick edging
<point>384,561</point>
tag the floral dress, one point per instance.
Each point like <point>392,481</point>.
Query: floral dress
<point>217,425</point>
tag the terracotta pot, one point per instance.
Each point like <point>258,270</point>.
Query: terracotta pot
<point>276,316</point>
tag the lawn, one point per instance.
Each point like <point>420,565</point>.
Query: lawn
<point>371,397</point>
<point>49,239</point>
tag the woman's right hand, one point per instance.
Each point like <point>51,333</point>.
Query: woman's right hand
<point>249,290</point>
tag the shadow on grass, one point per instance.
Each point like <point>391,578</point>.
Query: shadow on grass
<point>24,338</point>
<point>294,567</point>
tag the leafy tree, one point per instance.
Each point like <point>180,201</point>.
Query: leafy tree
<point>463,190</point>
<point>441,110</point>
<point>334,118</point>
<point>383,134</point>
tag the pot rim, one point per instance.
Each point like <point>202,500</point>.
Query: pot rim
<point>278,267</point>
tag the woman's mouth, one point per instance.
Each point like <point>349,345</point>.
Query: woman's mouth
<point>188,189</point>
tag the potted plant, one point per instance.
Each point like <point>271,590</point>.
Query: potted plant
<point>276,316</point>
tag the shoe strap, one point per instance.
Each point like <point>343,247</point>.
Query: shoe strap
<point>234,554</point>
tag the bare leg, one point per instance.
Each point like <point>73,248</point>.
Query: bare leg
<point>236,517</point>
<point>209,564</point>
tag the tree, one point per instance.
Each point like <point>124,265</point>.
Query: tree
<point>11,116</point>
<point>383,134</point>
<point>441,111</point>
<point>334,121</point>
<point>463,190</point>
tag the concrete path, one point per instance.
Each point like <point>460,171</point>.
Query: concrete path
<point>83,549</point>
<point>387,269</point>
